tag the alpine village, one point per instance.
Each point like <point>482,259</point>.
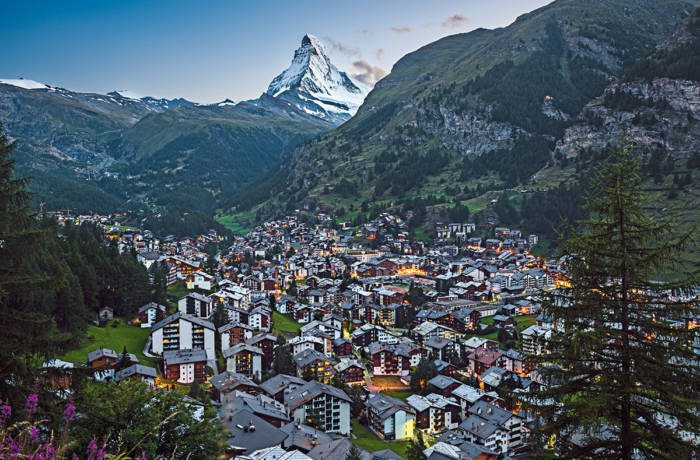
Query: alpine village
<point>488,253</point>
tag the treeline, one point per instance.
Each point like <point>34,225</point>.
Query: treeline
<point>545,213</point>
<point>400,173</point>
<point>181,222</point>
<point>52,281</point>
<point>106,278</point>
<point>514,166</point>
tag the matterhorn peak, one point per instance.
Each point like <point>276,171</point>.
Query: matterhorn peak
<point>315,85</point>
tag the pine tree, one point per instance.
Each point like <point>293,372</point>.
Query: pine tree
<point>621,379</point>
<point>416,447</point>
<point>28,291</point>
<point>354,454</point>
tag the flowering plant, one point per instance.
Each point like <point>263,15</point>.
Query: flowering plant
<point>31,439</point>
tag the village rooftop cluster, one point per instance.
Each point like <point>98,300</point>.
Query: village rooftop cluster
<point>387,336</point>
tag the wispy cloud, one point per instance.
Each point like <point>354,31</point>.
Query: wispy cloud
<point>344,48</point>
<point>379,53</point>
<point>455,21</point>
<point>367,73</point>
<point>401,30</point>
<point>366,33</point>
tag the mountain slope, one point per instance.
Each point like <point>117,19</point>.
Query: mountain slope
<point>313,84</point>
<point>472,112</point>
<point>194,157</point>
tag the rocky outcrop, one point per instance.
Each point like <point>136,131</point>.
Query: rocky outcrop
<point>661,114</point>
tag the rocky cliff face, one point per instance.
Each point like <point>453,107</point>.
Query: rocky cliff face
<point>663,114</point>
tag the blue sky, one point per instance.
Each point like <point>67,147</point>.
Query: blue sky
<point>211,50</point>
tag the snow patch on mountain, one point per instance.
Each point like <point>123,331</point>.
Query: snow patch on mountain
<point>313,84</point>
<point>24,83</point>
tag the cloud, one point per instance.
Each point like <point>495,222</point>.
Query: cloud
<point>454,21</point>
<point>380,53</point>
<point>344,48</point>
<point>366,33</point>
<point>401,30</point>
<point>367,73</point>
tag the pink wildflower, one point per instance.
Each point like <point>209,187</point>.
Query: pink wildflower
<point>69,412</point>
<point>32,402</point>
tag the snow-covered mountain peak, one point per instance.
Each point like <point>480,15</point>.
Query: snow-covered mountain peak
<point>315,85</point>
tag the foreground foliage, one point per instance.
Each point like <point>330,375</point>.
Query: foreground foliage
<point>622,381</point>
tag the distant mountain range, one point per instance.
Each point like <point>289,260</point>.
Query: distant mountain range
<point>108,152</point>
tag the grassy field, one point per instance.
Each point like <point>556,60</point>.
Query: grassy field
<point>236,223</point>
<point>387,380</point>
<point>116,338</point>
<point>524,321</point>
<point>366,440</point>
<point>175,292</point>
<point>398,394</point>
<point>283,324</point>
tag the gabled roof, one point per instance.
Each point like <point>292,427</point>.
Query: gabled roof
<point>136,369</point>
<point>249,433</point>
<point>310,391</point>
<point>97,354</point>
<point>279,382</point>
<point>155,305</point>
<point>184,356</point>
<point>241,347</point>
<point>308,356</point>
<point>184,316</point>
<point>386,406</point>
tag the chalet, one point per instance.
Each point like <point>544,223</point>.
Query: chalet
<point>514,360</point>
<point>102,357</point>
<point>280,385</point>
<point>445,368</point>
<point>302,438</point>
<point>151,313</point>
<point>244,359</point>
<point>444,385</point>
<point>427,330</point>
<point>261,405</point>
<point>394,359</point>
<point>229,382</point>
<point>351,370</point>
<point>342,347</point>
<point>328,407</point>
<point>266,343</point>
<point>482,358</point>
<point>441,348</point>
<point>199,280</point>
<point>435,413</point>
<point>389,418</point>
<point>249,433</point>
<point>181,331</point>
<point>502,321</point>
<point>467,396</point>
<point>465,319</point>
<point>483,433</point>
<point>234,333</point>
<point>139,372</point>
<point>195,304</point>
<point>185,365</point>
<point>504,420</point>
<point>260,319</point>
<point>311,362</point>
<point>105,315</point>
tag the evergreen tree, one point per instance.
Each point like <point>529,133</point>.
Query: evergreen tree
<point>621,379</point>
<point>354,454</point>
<point>420,377</point>
<point>416,447</point>
<point>33,279</point>
<point>283,361</point>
